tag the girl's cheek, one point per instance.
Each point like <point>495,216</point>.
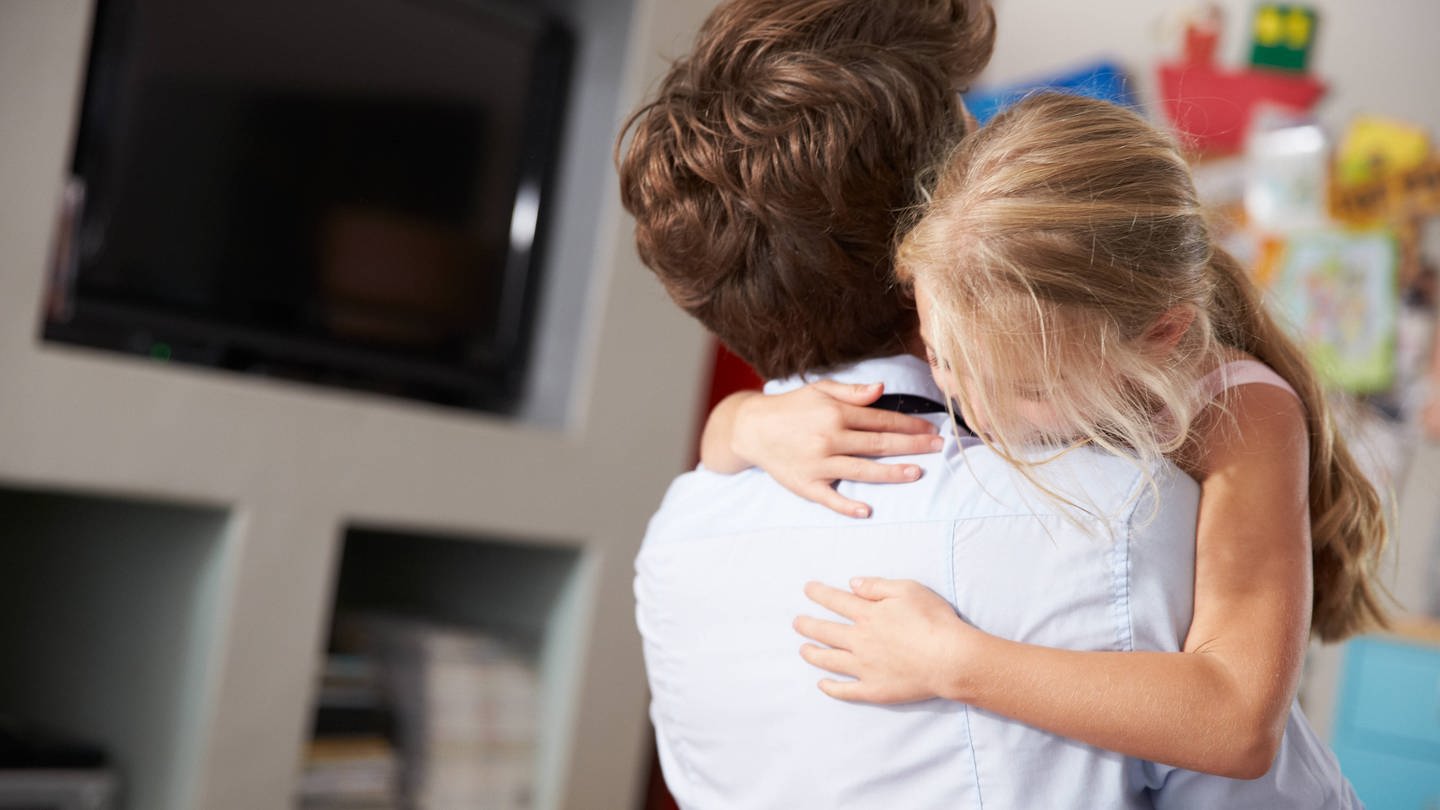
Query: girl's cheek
<point>976,418</point>
<point>945,381</point>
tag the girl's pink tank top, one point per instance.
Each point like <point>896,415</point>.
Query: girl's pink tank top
<point>1227,376</point>
<point>1237,373</point>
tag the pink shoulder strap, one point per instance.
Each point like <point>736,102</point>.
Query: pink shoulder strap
<point>1237,373</point>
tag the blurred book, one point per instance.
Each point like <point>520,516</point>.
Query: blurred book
<point>447,712</point>
<point>352,698</point>
<point>58,789</point>
<point>350,773</point>
<point>466,706</point>
<point>351,763</point>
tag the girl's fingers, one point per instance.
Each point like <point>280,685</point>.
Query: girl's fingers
<point>831,634</point>
<point>844,690</point>
<point>879,420</point>
<point>850,468</point>
<point>840,662</point>
<point>842,602</point>
<point>826,496</point>
<point>866,443</point>
<point>880,587</point>
<point>846,392</point>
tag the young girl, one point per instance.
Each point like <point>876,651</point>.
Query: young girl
<point>1069,293</point>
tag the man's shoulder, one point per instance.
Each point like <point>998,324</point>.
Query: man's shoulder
<point>702,503</point>
<point>698,498</point>
<point>964,481</point>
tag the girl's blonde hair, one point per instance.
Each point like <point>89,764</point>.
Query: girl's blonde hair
<point>1064,243</point>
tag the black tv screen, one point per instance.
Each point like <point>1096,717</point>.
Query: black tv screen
<point>348,192</point>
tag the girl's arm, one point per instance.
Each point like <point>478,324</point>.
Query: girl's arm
<point>1220,706</point>
<point>809,438</point>
<point>717,445</point>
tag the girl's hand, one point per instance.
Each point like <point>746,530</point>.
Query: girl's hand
<point>905,643</point>
<point>809,438</point>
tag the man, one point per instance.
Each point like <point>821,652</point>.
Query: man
<point>767,180</point>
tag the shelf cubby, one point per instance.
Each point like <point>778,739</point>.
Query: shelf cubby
<point>107,623</point>
<point>521,595</point>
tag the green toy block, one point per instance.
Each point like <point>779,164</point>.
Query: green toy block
<point>1283,34</point>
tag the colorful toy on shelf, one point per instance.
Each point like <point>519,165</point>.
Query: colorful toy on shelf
<point>1385,172</point>
<point>1374,147</point>
<point>1283,35</point>
<point>1414,193</point>
<point>1210,107</point>
<point>1203,25</point>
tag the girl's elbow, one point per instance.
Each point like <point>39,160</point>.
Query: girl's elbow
<point>1242,746</point>
<point>1253,754</point>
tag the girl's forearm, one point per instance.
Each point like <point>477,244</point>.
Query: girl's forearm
<point>1185,709</point>
<point>717,448</point>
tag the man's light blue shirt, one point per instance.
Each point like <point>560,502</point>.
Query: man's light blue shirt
<point>740,723</point>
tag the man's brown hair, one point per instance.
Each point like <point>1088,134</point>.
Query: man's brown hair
<point>768,175</point>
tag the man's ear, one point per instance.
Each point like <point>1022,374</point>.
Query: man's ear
<point>1167,330</point>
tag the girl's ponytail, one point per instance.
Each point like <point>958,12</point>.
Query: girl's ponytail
<point>1347,522</point>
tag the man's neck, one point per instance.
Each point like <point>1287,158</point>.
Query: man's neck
<point>901,374</point>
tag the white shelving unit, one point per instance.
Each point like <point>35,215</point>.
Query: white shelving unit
<point>172,536</point>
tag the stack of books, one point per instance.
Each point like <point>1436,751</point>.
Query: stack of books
<point>350,773</point>
<point>351,763</point>
<point>466,709</point>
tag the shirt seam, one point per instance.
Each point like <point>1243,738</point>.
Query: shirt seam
<point>974,764</point>
<point>964,707</point>
<point>1124,615</point>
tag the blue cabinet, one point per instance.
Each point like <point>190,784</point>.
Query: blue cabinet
<point>1387,731</point>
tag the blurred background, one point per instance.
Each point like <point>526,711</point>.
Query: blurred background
<point>335,399</point>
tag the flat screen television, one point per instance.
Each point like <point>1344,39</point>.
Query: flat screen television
<point>345,192</point>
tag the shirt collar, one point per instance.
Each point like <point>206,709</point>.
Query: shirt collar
<point>901,374</point>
